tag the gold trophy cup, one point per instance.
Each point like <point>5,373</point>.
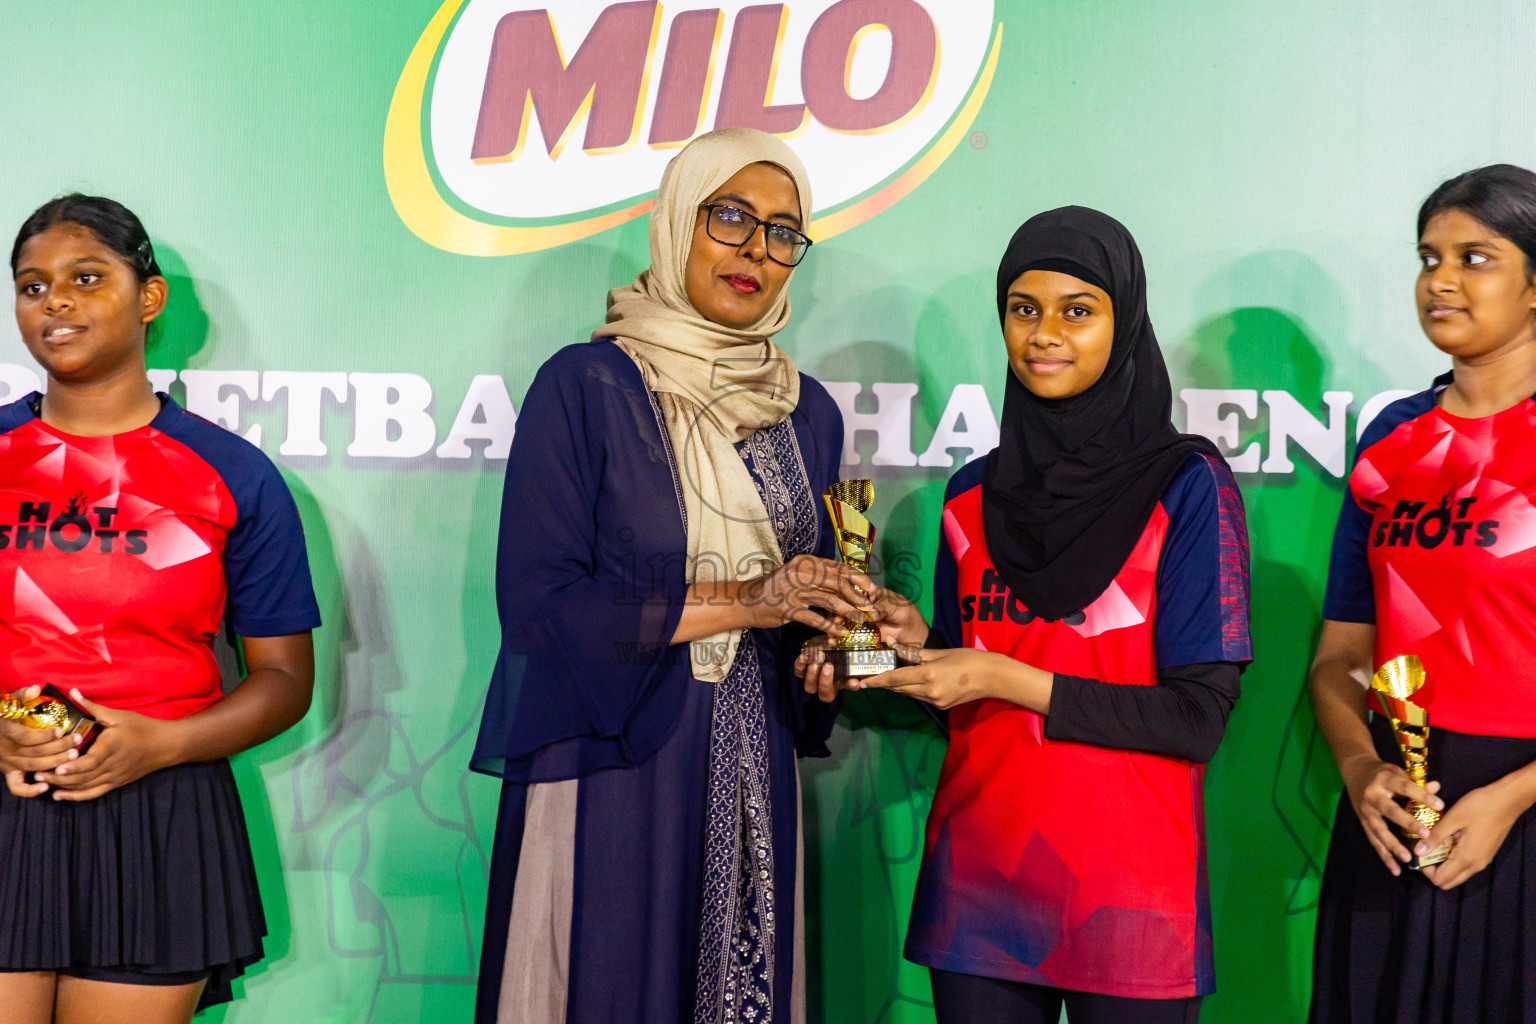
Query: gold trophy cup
<point>49,710</point>
<point>859,653</point>
<point>1394,683</point>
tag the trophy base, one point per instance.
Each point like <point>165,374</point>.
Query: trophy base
<point>1430,859</point>
<point>80,724</point>
<point>861,662</point>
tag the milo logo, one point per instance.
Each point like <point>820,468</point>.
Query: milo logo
<point>516,128</point>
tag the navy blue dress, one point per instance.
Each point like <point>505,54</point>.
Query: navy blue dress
<point>590,587</point>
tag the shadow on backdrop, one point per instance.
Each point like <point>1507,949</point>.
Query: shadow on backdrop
<point>865,806</point>
<point>1271,788</point>
<point>182,330</point>
<point>250,767</point>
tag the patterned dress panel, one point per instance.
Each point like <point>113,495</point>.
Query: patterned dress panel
<point>737,954</point>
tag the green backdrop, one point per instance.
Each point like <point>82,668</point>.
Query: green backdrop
<point>1268,156</point>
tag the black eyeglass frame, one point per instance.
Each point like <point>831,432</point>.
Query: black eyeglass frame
<point>758,222</point>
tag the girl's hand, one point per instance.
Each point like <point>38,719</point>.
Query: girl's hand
<point>18,785</point>
<point>1372,785</point>
<point>1479,821</point>
<point>946,678</point>
<point>128,747</point>
<point>32,750</point>
<point>805,587</point>
<point>901,624</point>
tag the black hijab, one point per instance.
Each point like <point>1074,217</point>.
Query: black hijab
<point>1073,481</point>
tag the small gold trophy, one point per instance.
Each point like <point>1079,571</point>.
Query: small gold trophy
<point>1395,682</point>
<point>50,709</point>
<point>859,653</point>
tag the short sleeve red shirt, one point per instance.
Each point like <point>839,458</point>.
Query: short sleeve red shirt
<point>120,556</point>
<point>1061,863</point>
<point>1437,545</point>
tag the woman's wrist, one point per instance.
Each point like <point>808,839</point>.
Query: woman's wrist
<point>716,606</point>
<point>741,603</point>
<point>1517,789</point>
<point>1356,770</point>
<point>172,737</point>
<point>1357,762</point>
<point>1021,684</point>
<point>1345,725</point>
<point>1367,758</point>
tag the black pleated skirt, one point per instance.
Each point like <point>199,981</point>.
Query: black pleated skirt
<point>155,877</point>
<point>1400,951</point>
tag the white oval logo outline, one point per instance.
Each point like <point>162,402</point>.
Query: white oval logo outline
<point>457,226</point>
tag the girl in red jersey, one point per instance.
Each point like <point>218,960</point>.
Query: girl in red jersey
<point>130,533</point>
<point>1434,556</point>
<point>1090,623</point>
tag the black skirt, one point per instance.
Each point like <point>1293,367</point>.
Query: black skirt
<point>155,877</point>
<point>1400,951</point>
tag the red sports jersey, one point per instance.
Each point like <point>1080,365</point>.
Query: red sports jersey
<point>1443,517</point>
<point>118,555</point>
<point>1061,863</point>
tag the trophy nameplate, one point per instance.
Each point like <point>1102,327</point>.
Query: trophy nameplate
<point>1394,683</point>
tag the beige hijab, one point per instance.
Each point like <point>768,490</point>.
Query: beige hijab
<point>715,385</point>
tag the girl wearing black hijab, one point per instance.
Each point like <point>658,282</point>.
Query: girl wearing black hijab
<point>1090,623</point>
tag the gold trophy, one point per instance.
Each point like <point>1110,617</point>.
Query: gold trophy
<point>1395,682</point>
<point>50,709</point>
<point>859,653</point>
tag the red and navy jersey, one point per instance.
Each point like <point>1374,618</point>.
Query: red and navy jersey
<point>1436,545</point>
<point>120,555</point>
<point>1060,863</point>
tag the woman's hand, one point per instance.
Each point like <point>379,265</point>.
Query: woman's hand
<point>803,589</point>
<point>815,671</point>
<point>128,747</point>
<point>1373,785</point>
<point>946,678</point>
<point>32,750</point>
<point>1478,822</point>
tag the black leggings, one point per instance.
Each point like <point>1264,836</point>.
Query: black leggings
<point>970,999</point>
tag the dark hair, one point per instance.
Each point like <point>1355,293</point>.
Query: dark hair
<point>110,221</point>
<point>1500,196</point>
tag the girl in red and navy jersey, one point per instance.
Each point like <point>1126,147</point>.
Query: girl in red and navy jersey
<point>131,533</point>
<point>1090,624</point>
<point>1435,556</point>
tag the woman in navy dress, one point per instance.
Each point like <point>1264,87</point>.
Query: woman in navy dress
<point>661,527</point>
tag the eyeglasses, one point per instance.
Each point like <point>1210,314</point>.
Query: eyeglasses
<point>731,226</point>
